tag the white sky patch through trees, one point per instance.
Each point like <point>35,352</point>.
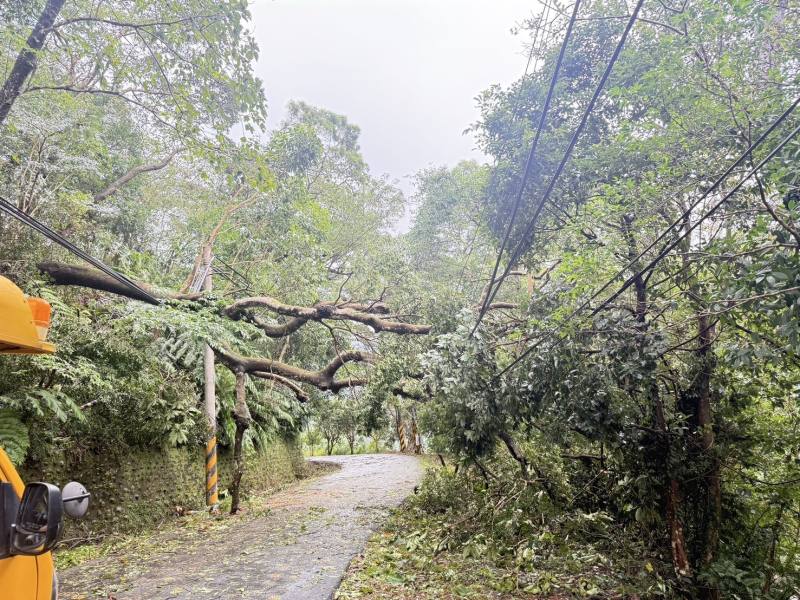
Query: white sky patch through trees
<point>405,71</point>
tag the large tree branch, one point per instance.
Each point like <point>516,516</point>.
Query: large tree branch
<point>63,274</point>
<point>134,172</point>
<point>347,311</point>
<point>26,60</point>
<point>287,383</point>
<point>374,314</point>
<point>324,379</point>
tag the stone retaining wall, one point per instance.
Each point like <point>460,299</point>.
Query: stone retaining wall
<point>136,489</point>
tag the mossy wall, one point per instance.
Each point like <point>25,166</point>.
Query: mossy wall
<point>136,489</point>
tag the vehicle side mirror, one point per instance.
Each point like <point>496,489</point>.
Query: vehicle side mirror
<point>75,499</point>
<point>38,521</point>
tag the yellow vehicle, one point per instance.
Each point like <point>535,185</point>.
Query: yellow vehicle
<point>31,516</point>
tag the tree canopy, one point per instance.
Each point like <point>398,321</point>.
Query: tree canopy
<point>637,359</point>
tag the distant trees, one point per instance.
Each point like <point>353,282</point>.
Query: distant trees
<point>340,417</point>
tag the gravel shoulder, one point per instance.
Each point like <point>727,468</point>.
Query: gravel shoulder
<point>298,548</point>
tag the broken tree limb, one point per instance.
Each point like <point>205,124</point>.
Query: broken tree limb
<point>372,315</point>
<point>65,274</point>
<point>347,311</point>
<point>368,314</point>
<point>324,379</point>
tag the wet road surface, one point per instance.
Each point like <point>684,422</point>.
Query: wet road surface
<point>298,551</point>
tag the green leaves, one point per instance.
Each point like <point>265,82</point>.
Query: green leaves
<point>13,435</point>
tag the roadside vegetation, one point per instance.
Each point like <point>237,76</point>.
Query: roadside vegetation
<point>624,417</point>
<point>600,338</point>
<point>463,536</point>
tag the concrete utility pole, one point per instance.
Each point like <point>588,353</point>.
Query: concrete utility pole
<point>203,281</point>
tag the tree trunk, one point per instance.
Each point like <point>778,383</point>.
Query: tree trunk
<point>26,60</point>
<point>241,415</point>
<point>705,427</point>
<point>671,493</point>
<point>770,570</point>
<point>400,430</point>
<point>415,437</point>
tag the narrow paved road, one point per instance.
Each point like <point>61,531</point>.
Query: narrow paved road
<point>298,551</point>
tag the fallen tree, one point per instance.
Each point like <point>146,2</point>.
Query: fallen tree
<point>374,315</point>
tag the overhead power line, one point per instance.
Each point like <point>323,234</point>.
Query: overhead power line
<point>567,154</point>
<point>37,225</point>
<point>539,37</point>
<point>529,161</point>
<point>674,244</point>
<point>682,218</point>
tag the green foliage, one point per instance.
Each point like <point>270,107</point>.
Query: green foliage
<point>677,399</point>
<point>671,411</point>
<point>469,537</point>
<point>13,435</point>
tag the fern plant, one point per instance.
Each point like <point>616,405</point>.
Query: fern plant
<point>14,438</point>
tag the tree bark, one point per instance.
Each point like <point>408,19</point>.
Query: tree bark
<point>671,492</point>
<point>324,379</point>
<point>770,562</point>
<point>400,430</point>
<point>705,427</point>
<point>242,418</point>
<point>65,274</point>
<point>131,174</point>
<point>416,441</point>
<point>346,311</point>
<point>330,444</point>
<point>27,58</point>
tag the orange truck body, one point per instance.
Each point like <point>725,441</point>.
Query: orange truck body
<point>23,326</point>
<point>23,577</point>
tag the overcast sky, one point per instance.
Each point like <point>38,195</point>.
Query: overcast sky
<point>405,71</point>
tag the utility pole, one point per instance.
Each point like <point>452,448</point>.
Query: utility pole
<point>203,281</point>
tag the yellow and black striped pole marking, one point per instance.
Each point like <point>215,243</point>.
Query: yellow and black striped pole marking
<point>212,496</point>
<point>401,437</point>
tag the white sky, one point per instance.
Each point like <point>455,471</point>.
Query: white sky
<point>405,71</point>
